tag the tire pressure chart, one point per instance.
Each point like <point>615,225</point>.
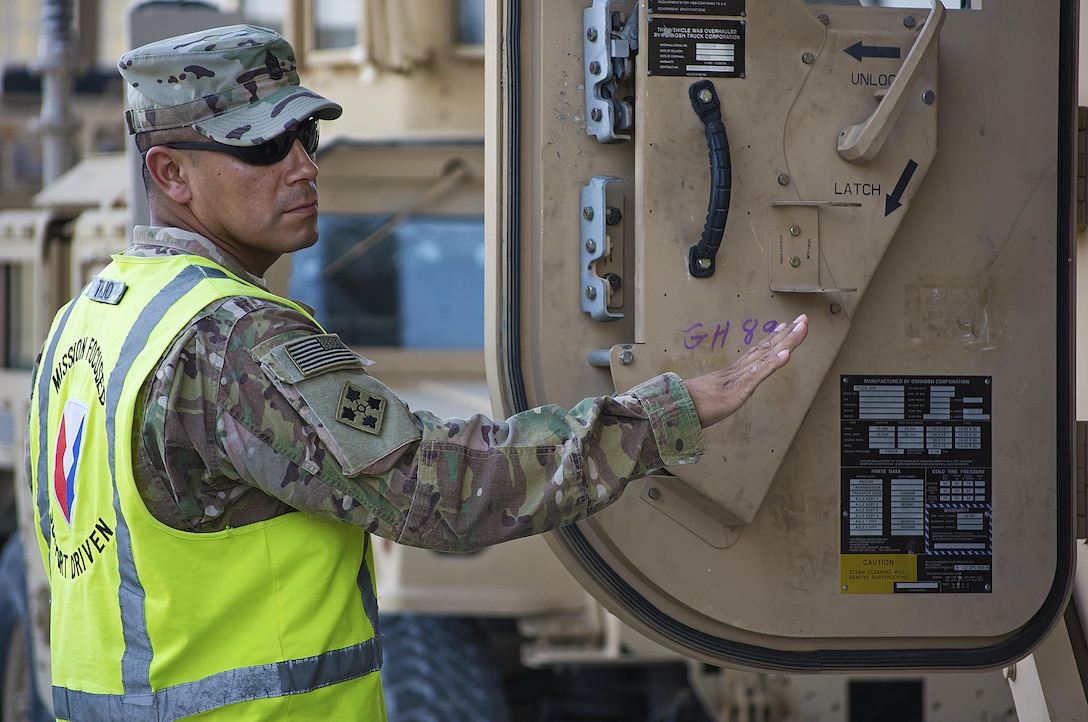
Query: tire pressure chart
<point>916,463</point>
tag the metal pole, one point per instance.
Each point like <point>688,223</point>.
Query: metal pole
<point>54,61</point>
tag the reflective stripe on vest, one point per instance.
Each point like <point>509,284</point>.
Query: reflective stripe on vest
<point>271,680</point>
<point>139,701</point>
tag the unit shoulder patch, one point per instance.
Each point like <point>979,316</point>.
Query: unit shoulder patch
<point>361,409</point>
<point>357,417</point>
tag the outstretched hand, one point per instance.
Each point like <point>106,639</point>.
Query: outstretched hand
<point>719,394</point>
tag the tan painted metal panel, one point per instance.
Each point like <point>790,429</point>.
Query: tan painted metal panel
<point>937,258</point>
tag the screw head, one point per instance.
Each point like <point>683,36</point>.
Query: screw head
<point>587,213</point>
<point>591,35</point>
<point>595,68</point>
<point>591,246</point>
<point>928,97</point>
<point>596,115</point>
<point>653,492</point>
<point>823,18</point>
<point>808,58</point>
<point>627,358</point>
<point>612,215</point>
<point>591,292</point>
<point>795,230</point>
<point>909,21</point>
<point>836,308</point>
<point>705,95</point>
<point>795,261</point>
<point>703,263</point>
<point>783,179</point>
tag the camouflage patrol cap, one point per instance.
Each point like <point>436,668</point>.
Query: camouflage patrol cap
<point>237,85</point>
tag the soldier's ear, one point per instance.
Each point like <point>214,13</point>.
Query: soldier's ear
<point>167,168</point>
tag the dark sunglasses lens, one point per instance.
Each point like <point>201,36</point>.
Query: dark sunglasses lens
<point>275,150</point>
<point>267,153</point>
<point>309,135</point>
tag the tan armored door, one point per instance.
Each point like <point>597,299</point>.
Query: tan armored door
<point>671,178</point>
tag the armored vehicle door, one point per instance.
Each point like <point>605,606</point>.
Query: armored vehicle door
<point>672,178</point>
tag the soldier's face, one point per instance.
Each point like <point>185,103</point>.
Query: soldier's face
<point>257,212</point>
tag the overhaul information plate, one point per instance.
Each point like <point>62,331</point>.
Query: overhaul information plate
<point>697,7</point>
<point>916,494</point>
<point>696,48</point>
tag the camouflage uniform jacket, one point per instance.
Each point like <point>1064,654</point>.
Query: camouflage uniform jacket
<point>221,444</point>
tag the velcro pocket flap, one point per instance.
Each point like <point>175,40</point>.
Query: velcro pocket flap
<point>356,416</point>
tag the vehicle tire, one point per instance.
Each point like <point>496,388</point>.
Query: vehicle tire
<point>19,700</point>
<point>439,669</point>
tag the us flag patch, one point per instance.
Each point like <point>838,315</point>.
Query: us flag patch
<point>320,353</point>
<point>361,409</point>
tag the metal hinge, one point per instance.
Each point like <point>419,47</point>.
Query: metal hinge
<point>610,44</point>
<point>602,250</point>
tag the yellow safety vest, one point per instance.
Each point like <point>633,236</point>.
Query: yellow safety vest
<point>274,620</point>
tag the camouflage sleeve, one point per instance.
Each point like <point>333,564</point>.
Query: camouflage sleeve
<point>480,481</point>
<point>310,429</point>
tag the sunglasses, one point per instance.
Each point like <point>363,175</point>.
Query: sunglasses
<point>267,153</point>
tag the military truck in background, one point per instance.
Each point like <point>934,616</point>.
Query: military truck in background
<point>596,149</point>
<point>399,274</point>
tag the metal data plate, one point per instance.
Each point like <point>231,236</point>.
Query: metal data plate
<point>899,496</point>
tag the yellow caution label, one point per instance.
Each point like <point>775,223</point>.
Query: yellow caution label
<point>876,573</point>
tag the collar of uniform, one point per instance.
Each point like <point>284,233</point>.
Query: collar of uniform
<point>146,240</point>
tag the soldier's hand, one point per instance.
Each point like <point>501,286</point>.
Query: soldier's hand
<point>718,394</point>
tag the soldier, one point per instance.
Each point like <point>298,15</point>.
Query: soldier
<point>209,463</point>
